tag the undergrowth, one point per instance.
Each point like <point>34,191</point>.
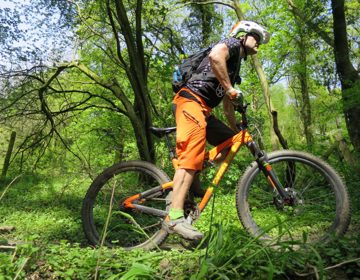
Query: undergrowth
<point>48,243</point>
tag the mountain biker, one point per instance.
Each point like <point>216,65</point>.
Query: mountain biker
<point>211,83</point>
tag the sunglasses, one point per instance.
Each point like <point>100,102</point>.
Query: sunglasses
<point>256,37</point>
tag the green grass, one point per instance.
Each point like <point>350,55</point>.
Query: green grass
<point>46,208</point>
<point>48,242</point>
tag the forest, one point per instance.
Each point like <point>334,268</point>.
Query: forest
<point>81,83</point>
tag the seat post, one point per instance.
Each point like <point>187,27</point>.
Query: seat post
<point>169,146</point>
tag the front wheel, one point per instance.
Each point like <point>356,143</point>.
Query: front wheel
<point>107,222</point>
<point>318,207</point>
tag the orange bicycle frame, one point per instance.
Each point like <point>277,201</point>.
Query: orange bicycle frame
<point>235,142</point>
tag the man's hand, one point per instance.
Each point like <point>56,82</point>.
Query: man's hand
<point>235,96</point>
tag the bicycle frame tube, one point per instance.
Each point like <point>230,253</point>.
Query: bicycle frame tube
<point>235,142</point>
<point>135,201</point>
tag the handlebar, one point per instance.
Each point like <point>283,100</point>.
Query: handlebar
<point>242,110</point>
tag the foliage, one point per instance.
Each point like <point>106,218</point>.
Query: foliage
<point>42,139</point>
<point>89,128</point>
<point>51,243</point>
<point>27,28</point>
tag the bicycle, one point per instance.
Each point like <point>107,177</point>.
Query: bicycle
<point>126,204</point>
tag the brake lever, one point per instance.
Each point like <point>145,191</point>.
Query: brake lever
<point>241,108</point>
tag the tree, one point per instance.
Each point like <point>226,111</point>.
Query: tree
<point>123,48</point>
<point>118,46</point>
<point>349,76</point>
<point>204,25</point>
<point>301,69</point>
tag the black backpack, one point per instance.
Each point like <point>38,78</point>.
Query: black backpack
<point>185,70</point>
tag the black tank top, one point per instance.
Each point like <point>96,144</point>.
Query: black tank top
<point>204,83</point>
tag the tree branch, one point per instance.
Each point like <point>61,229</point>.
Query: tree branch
<point>314,27</point>
<point>117,39</point>
<point>228,3</point>
<point>277,131</point>
<point>93,76</point>
<point>138,36</point>
<point>327,268</point>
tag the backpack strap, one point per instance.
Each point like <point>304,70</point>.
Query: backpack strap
<point>239,63</point>
<point>189,94</point>
<point>195,75</point>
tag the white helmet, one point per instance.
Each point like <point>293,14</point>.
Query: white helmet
<point>250,27</point>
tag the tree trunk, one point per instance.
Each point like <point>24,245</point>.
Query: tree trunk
<point>8,154</point>
<point>350,80</point>
<point>136,70</point>
<point>282,140</point>
<point>349,77</point>
<point>264,85</point>
<point>119,147</point>
<point>258,126</point>
<point>341,148</point>
<point>140,121</point>
<point>305,107</point>
<point>266,94</point>
<point>344,149</point>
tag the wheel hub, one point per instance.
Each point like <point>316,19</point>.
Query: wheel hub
<point>292,200</point>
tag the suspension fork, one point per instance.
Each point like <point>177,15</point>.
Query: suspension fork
<point>264,165</point>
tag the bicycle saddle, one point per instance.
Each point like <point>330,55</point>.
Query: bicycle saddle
<point>161,132</point>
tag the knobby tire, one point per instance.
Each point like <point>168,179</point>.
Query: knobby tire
<point>321,210</point>
<point>127,228</point>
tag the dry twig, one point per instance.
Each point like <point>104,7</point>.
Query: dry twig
<point>327,268</point>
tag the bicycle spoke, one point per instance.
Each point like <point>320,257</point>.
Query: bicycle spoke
<point>313,201</point>
<point>129,227</point>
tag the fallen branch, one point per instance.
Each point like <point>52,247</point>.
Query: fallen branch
<point>21,268</point>
<point>327,268</point>
<point>341,264</point>
<point>8,186</point>
<point>6,247</point>
<point>6,229</point>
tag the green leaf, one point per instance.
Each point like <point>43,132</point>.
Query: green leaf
<point>139,271</point>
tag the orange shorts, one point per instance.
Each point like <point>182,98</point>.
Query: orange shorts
<point>190,119</point>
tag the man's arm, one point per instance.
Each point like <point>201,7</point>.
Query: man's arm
<point>218,57</point>
<point>229,113</point>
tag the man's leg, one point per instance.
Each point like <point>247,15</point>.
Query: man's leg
<point>190,149</point>
<point>221,156</point>
<point>182,181</point>
<point>195,187</point>
<point>216,133</point>
<point>175,221</point>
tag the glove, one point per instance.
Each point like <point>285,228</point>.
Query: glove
<point>236,96</point>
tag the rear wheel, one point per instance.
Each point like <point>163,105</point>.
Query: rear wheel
<point>318,206</point>
<point>105,220</point>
